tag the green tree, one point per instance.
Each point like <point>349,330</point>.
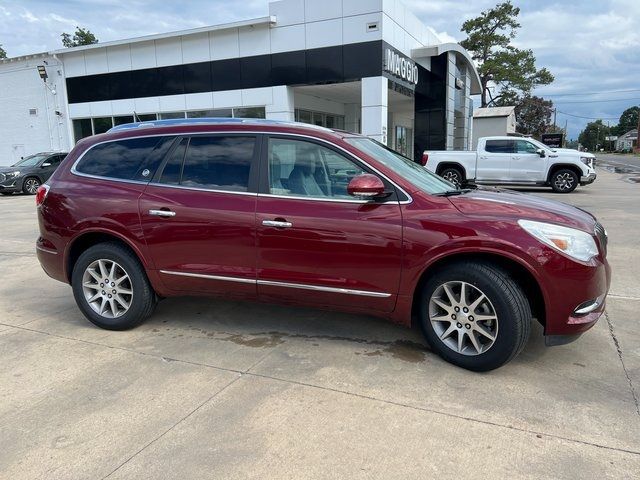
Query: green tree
<point>533,115</point>
<point>3,53</point>
<point>511,69</point>
<point>628,121</point>
<point>592,137</point>
<point>80,37</point>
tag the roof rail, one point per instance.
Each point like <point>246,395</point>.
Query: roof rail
<point>212,121</point>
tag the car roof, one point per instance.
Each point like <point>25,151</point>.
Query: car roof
<point>180,122</point>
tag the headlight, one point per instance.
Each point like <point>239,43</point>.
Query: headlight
<point>12,174</point>
<point>587,161</point>
<point>574,243</point>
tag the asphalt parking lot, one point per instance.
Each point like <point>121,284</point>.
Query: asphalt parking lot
<point>216,389</point>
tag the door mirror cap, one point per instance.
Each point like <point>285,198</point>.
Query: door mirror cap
<point>46,164</point>
<point>541,152</point>
<point>366,186</point>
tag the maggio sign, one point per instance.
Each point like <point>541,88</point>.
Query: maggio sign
<point>400,66</point>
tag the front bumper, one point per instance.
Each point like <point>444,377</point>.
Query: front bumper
<point>588,179</point>
<point>574,286</point>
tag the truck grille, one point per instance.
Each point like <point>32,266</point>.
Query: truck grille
<point>601,233</point>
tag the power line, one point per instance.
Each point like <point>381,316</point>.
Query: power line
<point>601,101</point>
<point>589,93</point>
<point>589,118</point>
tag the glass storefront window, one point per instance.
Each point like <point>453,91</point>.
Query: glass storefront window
<point>82,128</point>
<point>171,115</point>
<point>220,113</point>
<point>147,117</point>
<point>403,140</point>
<point>303,116</point>
<point>102,124</point>
<point>249,112</point>
<point>321,119</point>
<point>122,120</point>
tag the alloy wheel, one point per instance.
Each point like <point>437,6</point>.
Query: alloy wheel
<point>463,318</point>
<point>107,288</point>
<point>452,177</point>
<point>31,185</point>
<point>564,181</point>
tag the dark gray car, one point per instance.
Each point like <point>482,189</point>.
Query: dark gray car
<point>29,173</point>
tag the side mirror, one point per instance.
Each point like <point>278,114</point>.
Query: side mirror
<point>541,152</point>
<point>46,164</point>
<point>366,186</point>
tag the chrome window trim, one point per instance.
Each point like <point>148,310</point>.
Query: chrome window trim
<point>196,189</point>
<point>301,286</point>
<point>74,170</point>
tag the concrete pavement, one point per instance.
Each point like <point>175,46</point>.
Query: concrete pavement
<point>215,389</point>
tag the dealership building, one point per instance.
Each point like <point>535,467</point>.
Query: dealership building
<point>366,66</point>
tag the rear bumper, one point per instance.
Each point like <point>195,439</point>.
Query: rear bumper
<point>588,179</point>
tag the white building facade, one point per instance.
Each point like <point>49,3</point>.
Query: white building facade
<point>367,66</point>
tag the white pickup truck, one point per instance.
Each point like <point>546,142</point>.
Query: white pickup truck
<point>514,161</point>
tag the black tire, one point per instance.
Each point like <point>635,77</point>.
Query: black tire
<point>453,175</point>
<point>30,185</point>
<point>143,300</point>
<point>564,181</point>
<point>511,307</point>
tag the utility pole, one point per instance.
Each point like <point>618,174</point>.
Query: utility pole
<point>638,134</point>
<point>555,111</point>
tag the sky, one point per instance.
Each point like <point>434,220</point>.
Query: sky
<point>591,47</point>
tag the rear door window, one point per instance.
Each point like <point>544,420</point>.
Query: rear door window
<point>500,146</point>
<point>220,162</point>
<point>130,159</point>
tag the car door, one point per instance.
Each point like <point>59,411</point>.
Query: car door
<point>526,163</point>
<point>49,166</point>
<point>198,215</point>
<point>494,160</point>
<point>316,243</point>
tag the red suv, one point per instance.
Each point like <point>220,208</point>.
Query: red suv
<point>304,215</point>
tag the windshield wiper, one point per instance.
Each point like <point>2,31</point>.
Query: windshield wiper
<point>453,193</point>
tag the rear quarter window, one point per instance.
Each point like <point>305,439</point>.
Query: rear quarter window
<point>127,159</point>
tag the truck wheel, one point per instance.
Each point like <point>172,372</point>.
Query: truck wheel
<point>474,315</point>
<point>453,175</point>
<point>564,181</point>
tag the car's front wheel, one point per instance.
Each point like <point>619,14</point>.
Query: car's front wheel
<point>474,315</point>
<point>111,287</point>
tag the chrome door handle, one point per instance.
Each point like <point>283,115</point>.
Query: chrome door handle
<point>483,158</point>
<point>277,224</point>
<point>162,213</point>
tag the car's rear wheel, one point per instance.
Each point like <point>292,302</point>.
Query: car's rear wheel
<point>564,181</point>
<point>111,287</point>
<point>30,186</point>
<point>474,315</point>
<point>453,175</point>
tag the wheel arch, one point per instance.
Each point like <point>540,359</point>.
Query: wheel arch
<point>562,166</point>
<point>88,239</point>
<point>448,164</point>
<point>520,273</point>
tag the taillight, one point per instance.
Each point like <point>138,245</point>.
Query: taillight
<point>41,194</point>
<point>424,159</point>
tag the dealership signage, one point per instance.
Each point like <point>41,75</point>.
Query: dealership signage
<point>553,140</point>
<point>400,66</point>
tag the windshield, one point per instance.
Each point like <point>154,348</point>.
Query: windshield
<point>31,161</point>
<point>414,173</point>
